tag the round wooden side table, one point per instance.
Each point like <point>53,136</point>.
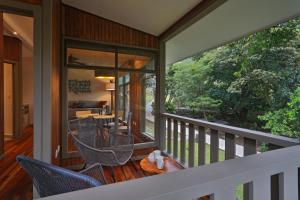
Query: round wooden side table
<point>150,167</point>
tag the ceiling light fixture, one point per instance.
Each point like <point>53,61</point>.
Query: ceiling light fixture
<point>104,74</point>
<point>15,33</point>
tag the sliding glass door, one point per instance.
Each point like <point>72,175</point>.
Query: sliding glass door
<point>109,83</point>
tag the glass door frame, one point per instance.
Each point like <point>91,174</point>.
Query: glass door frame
<point>96,46</point>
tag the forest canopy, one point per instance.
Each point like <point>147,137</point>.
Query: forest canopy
<point>253,82</point>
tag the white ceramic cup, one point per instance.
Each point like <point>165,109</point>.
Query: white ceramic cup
<point>151,157</point>
<point>160,162</point>
<point>157,153</point>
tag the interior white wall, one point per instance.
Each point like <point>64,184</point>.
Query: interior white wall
<point>230,21</point>
<point>8,99</point>
<point>27,75</point>
<point>98,92</point>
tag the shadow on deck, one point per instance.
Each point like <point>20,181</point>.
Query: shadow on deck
<point>16,184</point>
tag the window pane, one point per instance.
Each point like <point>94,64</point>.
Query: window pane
<point>137,95</point>
<point>89,96</point>
<point>136,61</point>
<point>150,85</point>
<point>90,57</point>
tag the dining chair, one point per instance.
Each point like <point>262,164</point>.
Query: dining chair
<point>95,145</point>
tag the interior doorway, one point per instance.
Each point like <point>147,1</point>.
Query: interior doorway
<point>18,75</point>
<point>17,97</point>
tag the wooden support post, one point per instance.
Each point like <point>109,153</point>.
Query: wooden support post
<point>249,149</point>
<point>201,146</point>
<point>275,179</point>
<point>160,125</point>
<point>169,135</point>
<point>175,139</point>
<point>214,146</point>
<point>182,142</point>
<point>191,145</point>
<point>229,146</point>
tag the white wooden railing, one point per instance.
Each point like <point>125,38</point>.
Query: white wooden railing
<point>218,180</point>
<point>183,133</point>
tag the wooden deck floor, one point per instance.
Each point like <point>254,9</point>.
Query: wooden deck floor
<point>16,184</point>
<point>129,171</point>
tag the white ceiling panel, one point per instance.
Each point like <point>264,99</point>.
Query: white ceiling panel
<point>230,21</point>
<point>23,26</point>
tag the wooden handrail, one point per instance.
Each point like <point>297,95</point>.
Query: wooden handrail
<point>218,179</point>
<point>246,133</point>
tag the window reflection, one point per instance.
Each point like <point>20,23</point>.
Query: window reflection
<point>97,86</point>
<point>139,62</point>
<point>90,58</point>
<point>89,95</point>
<point>137,95</point>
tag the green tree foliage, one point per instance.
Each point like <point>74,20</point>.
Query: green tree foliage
<point>187,85</point>
<point>285,121</point>
<point>242,80</point>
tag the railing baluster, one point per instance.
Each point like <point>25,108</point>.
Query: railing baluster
<point>229,146</point>
<point>249,149</point>
<point>226,192</point>
<point>214,146</point>
<point>299,183</point>
<point>275,179</point>
<point>289,183</point>
<point>162,133</point>
<point>261,188</point>
<point>191,145</point>
<point>169,135</point>
<point>175,139</point>
<point>201,146</point>
<point>249,146</point>
<point>280,187</point>
<point>275,182</point>
<point>182,142</point>
<point>242,132</point>
<point>275,187</point>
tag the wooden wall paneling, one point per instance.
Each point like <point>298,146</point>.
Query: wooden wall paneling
<point>1,88</point>
<point>36,2</point>
<point>12,46</point>
<point>135,102</point>
<point>56,62</point>
<point>82,25</point>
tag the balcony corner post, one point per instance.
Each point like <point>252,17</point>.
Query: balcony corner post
<point>160,128</point>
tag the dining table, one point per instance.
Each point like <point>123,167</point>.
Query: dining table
<point>96,116</point>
